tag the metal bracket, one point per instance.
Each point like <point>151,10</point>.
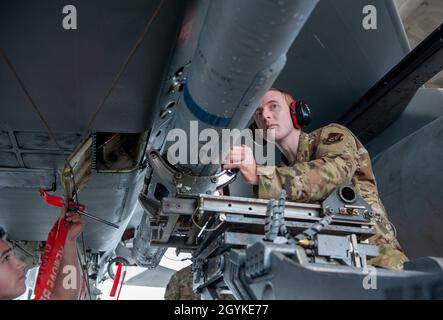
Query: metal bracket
<point>184,183</point>
<point>346,204</point>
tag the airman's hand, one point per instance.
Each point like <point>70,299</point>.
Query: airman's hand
<point>76,225</point>
<point>243,159</point>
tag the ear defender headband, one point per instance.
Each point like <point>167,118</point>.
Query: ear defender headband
<point>300,114</point>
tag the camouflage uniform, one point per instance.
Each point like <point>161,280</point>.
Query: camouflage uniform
<point>180,286</point>
<point>327,158</point>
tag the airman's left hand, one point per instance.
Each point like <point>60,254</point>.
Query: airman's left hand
<point>76,225</point>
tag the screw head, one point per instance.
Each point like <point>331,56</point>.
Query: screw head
<point>178,175</point>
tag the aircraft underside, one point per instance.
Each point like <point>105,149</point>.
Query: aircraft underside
<point>85,115</point>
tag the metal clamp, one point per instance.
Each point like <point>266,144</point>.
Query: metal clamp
<point>225,177</point>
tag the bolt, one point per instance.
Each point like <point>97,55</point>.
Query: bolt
<point>164,113</point>
<point>178,176</point>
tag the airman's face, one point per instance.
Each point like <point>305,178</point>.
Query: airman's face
<point>12,276</point>
<point>273,115</point>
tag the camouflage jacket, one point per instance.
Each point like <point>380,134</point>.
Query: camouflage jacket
<point>327,158</point>
<point>180,286</point>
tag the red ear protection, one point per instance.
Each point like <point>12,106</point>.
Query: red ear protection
<point>300,114</point>
<point>292,107</point>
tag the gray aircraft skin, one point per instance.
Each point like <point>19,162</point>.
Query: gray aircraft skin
<point>209,61</point>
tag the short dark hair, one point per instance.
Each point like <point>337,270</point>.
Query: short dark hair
<point>2,233</point>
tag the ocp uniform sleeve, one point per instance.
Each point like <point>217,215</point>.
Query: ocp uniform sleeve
<point>334,164</point>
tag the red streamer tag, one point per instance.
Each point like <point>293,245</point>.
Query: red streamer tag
<point>116,280</point>
<point>58,201</point>
<point>51,260</point>
<point>83,288</point>
<point>121,286</point>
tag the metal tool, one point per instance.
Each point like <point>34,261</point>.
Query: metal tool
<point>72,206</point>
<point>97,219</point>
